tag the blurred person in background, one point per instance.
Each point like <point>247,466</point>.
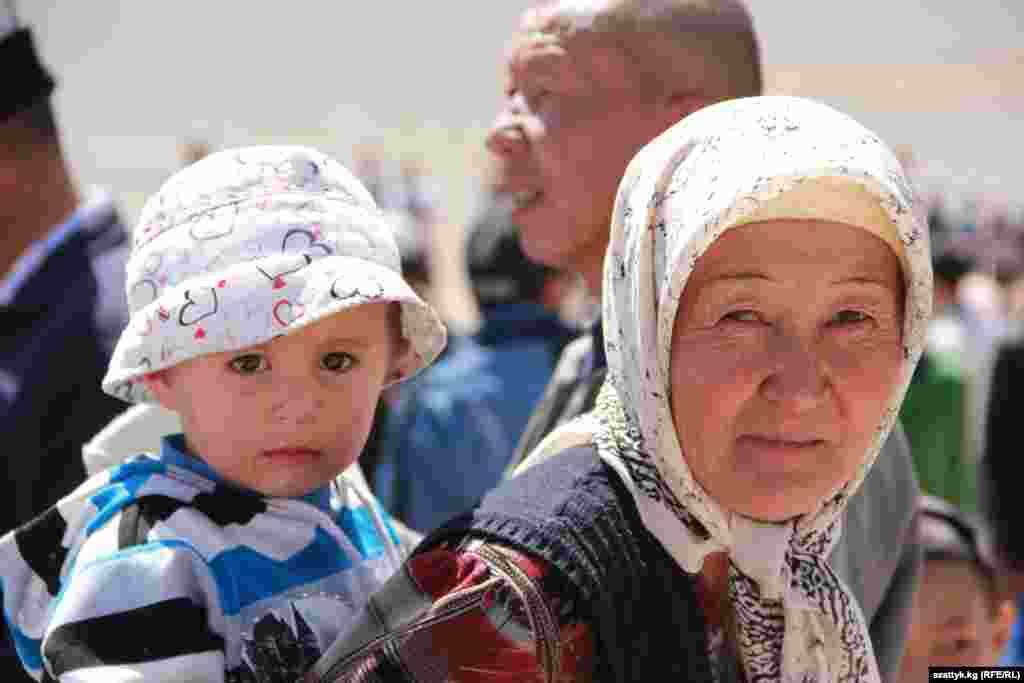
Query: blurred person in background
<point>421,191</point>
<point>588,84</point>
<point>414,247</point>
<point>982,258</point>
<point>453,430</point>
<point>414,254</point>
<point>962,616</point>
<point>370,167</point>
<point>62,297</point>
<point>935,411</point>
<point>1000,481</point>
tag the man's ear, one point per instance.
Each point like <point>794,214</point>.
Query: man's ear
<point>679,105</point>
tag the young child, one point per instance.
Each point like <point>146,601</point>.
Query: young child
<point>269,312</point>
<point>961,617</point>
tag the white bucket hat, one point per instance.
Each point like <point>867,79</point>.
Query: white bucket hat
<point>252,243</point>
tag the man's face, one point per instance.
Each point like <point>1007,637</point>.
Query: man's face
<point>572,121</point>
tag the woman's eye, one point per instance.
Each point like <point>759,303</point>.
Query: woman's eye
<point>337,361</point>
<point>248,364</point>
<point>743,316</point>
<point>850,317</point>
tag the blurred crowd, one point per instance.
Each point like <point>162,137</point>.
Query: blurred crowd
<point>441,441</point>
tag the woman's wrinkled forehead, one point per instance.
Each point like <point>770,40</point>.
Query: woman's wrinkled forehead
<point>803,260</point>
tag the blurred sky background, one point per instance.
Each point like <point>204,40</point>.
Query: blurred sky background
<point>424,79</point>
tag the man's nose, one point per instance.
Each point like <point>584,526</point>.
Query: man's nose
<point>506,137</point>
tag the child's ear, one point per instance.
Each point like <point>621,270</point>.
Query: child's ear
<point>397,370</point>
<point>1005,617</point>
<point>159,385</point>
<point>401,350</point>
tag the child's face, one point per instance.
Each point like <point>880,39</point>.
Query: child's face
<point>287,416</point>
<point>954,621</point>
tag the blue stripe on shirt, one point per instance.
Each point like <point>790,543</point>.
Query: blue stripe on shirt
<point>28,649</point>
<point>245,576</point>
<point>125,480</point>
<point>357,523</point>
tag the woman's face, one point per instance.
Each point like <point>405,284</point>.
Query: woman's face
<point>786,351</point>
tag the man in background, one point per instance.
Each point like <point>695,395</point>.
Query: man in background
<point>62,298</point>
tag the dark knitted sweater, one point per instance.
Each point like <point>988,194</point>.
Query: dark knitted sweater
<point>573,512</point>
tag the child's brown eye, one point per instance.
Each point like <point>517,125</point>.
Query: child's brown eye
<point>248,364</point>
<point>338,361</point>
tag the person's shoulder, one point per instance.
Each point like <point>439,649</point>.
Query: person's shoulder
<point>571,488</point>
<point>1011,342</point>
<point>83,527</point>
<point>576,350</point>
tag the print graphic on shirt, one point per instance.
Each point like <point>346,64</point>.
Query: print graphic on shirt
<point>286,641</point>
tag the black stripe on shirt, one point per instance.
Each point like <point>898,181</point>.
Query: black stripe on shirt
<point>40,543</point>
<point>223,506</point>
<point>163,630</point>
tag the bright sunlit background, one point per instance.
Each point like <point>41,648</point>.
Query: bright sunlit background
<point>942,78</point>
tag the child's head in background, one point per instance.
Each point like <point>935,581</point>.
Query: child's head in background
<point>269,311</point>
<point>961,614</point>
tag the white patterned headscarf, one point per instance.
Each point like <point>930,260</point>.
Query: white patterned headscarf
<point>737,162</point>
<point>252,243</point>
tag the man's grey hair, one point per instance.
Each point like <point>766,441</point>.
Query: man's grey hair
<point>709,44</point>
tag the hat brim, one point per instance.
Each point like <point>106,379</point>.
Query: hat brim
<point>254,302</point>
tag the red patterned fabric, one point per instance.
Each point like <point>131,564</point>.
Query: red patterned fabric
<point>491,642</point>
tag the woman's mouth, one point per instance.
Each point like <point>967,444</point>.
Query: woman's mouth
<point>781,446</point>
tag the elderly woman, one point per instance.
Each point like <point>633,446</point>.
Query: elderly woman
<point>766,290</point>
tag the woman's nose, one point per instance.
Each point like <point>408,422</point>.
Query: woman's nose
<point>796,377</point>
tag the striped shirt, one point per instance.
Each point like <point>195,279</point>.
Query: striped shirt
<point>158,570</point>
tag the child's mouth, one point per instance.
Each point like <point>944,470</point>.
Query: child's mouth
<point>296,456</point>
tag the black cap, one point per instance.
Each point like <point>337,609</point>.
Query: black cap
<point>499,271</point>
<point>947,533</point>
<point>25,79</point>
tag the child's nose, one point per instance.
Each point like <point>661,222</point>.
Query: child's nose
<point>297,405</point>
